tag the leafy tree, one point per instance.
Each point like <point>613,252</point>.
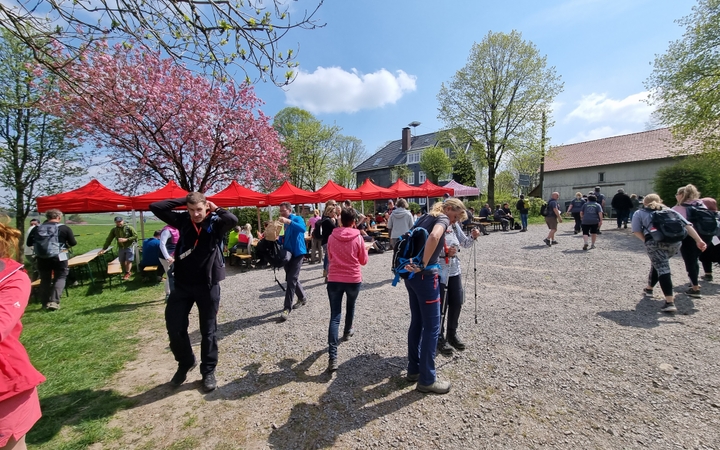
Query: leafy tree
<point>699,171</point>
<point>435,163</point>
<point>505,183</point>
<point>499,96</point>
<point>463,168</point>
<point>685,82</point>
<point>400,172</point>
<point>160,122</point>
<point>35,156</point>
<point>309,145</point>
<point>208,34</point>
<point>349,151</point>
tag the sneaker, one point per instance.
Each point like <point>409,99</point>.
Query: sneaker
<point>585,247</point>
<point>523,230</point>
<point>444,347</point>
<point>592,246</point>
<point>438,387</point>
<point>346,336</point>
<point>181,374</point>
<point>412,377</point>
<point>554,242</point>
<point>299,303</point>
<point>668,307</point>
<point>332,365</point>
<point>53,306</point>
<point>707,277</point>
<point>126,276</point>
<point>456,342</point>
<point>647,291</point>
<point>599,232</point>
<point>690,292</point>
<point>284,315</point>
<point>209,383</point>
<point>547,242</point>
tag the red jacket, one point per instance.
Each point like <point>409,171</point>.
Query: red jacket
<point>346,253</point>
<point>17,374</point>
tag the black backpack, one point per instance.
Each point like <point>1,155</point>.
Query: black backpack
<point>667,226</point>
<point>46,243</point>
<point>544,209</point>
<point>409,249</point>
<point>317,229</point>
<point>704,221</point>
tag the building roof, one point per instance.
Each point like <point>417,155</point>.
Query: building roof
<point>644,146</point>
<point>392,154</point>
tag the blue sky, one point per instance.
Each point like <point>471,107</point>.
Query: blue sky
<point>378,65</point>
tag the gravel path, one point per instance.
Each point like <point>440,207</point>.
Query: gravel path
<point>564,352</point>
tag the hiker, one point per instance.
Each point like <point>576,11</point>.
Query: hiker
<point>51,242</point>
<point>316,250</point>
<point>508,215</point>
<point>600,201</point>
<point>168,240</point>
<point>591,217</point>
<point>451,280</point>
<point>29,251</point>
<point>660,252</point>
<point>552,218</point>
<point>326,226</point>
<point>636,205</point>
<point>574,209</point>
<point>424,295</point>
<point>523,207</point>
<point>19,401</point>
<point>622,204</point>
<point>401,220</point>
<point>346,251</point>
<point>293,241</point>
<point>199,267</point>
<point>712,254</point>
<point>151,255</point>
<point>126,239</point>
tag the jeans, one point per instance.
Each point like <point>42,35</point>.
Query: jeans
<point>53,274</point>
<point>335,294</point>
<point>177,311</point>
<point>524,220</point>
<point>424,292</point>
<point>325,257</point>
<point>292,273</point>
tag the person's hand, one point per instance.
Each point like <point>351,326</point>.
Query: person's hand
<point>170,260</point>
<point>122,239</point>
<point>452,251</point>
<point>211,206</point>
<point>101,252</point>
<point>701,245</point>
<point>560,219</point>
<point>413,268</point>
<point>475,233</point>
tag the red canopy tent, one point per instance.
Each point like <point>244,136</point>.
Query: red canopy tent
<point>91,198</point>
<point>433,190</point>
<point>170,190</point>
<point>402,189</point>
<point>371,191</point>
<point>236,195</point>
<point>332,190</point>
<point>289,193</point>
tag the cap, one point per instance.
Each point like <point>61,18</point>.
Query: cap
<point>118,219</point>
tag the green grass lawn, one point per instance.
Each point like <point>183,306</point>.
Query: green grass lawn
<point>80,347</point>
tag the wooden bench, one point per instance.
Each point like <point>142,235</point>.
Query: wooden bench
<point>244,260</point>
<point>114,268</point>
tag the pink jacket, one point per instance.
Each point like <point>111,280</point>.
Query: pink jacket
<point>346,253</point>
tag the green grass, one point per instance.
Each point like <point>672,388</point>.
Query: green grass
<point>79,348</point>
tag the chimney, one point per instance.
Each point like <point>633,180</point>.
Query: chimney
<point>406,137</point>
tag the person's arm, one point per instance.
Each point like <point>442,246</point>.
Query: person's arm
<point>557,213</point>
<point>164,236</point>
<point>109,239</point>
<point>696,237</point>
<point>228,219</point>
<point>462,238</point>
<point>163,210</point>
<point>69,236</point>
<point>432,242</point>
<point>31,238</point>
<point>133,235</point>
<point>13,301</point>
<point>362,251</point>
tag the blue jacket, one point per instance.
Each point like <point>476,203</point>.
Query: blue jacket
<point>151,252</point>
<point>294,238</point>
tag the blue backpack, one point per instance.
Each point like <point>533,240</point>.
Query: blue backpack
<point>409,249</point>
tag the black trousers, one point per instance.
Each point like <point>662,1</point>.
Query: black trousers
<point>53,274</point>
<point>455,299</point>
<point>177,313</point>
<point>578,221</point>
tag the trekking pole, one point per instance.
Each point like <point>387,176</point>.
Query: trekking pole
<point>444,309</point>
<point>475,274</point>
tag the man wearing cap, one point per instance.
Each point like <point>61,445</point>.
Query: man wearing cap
<point>622,204</point>
<point>126,239</point>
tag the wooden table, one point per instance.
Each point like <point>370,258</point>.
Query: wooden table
<point>83,261</point>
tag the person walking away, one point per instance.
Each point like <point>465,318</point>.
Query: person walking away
<point>327,224</point>
<point>661,251</point>
<point>151,255</point>
<point>600,201</point>
<point>168,240</point>
<point>591,216</point>
<point>293,241</point>
<point>688,198</point>
<point>199,267</point>
<point>552,218</point>
<point>401,220</point>
<point>51,242</point>
<point>19,402</point>
<point>574,209</point>
<point>29,251</point>
<point>709,256</point>
<point>316,251</point>
<point>636,205</point>
<point>347,253</point>
<point>523,207</point>
<point>424,297</point>
<point>622,204</point>
<point>126,237</point>
<point>451,281</point>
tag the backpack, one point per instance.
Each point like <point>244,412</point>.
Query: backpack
<point>409,249</point>
<point>46,242</point>
<point>667,226</point>
<point>704,221</point>
<point>544,209</point>
<point>174,234</point>
<point>317,229</point>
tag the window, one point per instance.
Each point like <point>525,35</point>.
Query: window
<point>413,158</point>
<point>448,152</point>
<point>411,178</point>
<point>377,162</point>
<point>393,175</point>
<point>601,177</point>
<point>422,200</point>
<point>421,177</point>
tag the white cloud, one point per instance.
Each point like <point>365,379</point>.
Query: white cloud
<point>333,90</point>
<point>596,108</point>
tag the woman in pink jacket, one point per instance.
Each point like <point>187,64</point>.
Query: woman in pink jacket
<point>346,253</point>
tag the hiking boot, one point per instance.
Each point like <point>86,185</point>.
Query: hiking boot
<point>126,276</point>
<point>347,335</point>
<point>53,306</point>
<point>647,291</point>
<point>599,232</point>
<point>438,387</point>
<point>523,230</point>
<point>284,315</point>
<point>209,383</point>
<point>554,242</point>
<point>456,342</point>
<point>707,277</point>
<point>181,374</point>
<point>585,247</point>
<point>444,347</point>
<point>547,242</point>
<point>332,365</point>
<point>299,303</point>
<point>669,307</point>
<point>412,377</point>
<point>694,293</point>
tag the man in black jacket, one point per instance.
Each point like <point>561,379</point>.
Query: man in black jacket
<point>622,204</point>
<point>199,267</point>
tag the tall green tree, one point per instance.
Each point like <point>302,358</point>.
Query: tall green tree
<point>685,82</point>
<point>348,151</point>
<point>36,158</point>
<point>499,96</point>
<point>399,172</point>
<point>309,144</point>
<point>463,166</point>
<point>435,163</point>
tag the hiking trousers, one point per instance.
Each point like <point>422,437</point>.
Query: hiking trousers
<point>177,313</point>
<point>53,275</point>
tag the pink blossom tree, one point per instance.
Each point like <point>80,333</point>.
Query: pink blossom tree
<point>159,121</point>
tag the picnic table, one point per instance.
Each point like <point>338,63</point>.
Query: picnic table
<point>81,263</point>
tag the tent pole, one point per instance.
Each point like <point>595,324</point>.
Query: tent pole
<point>142,234</point>
<point>257,208</point>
